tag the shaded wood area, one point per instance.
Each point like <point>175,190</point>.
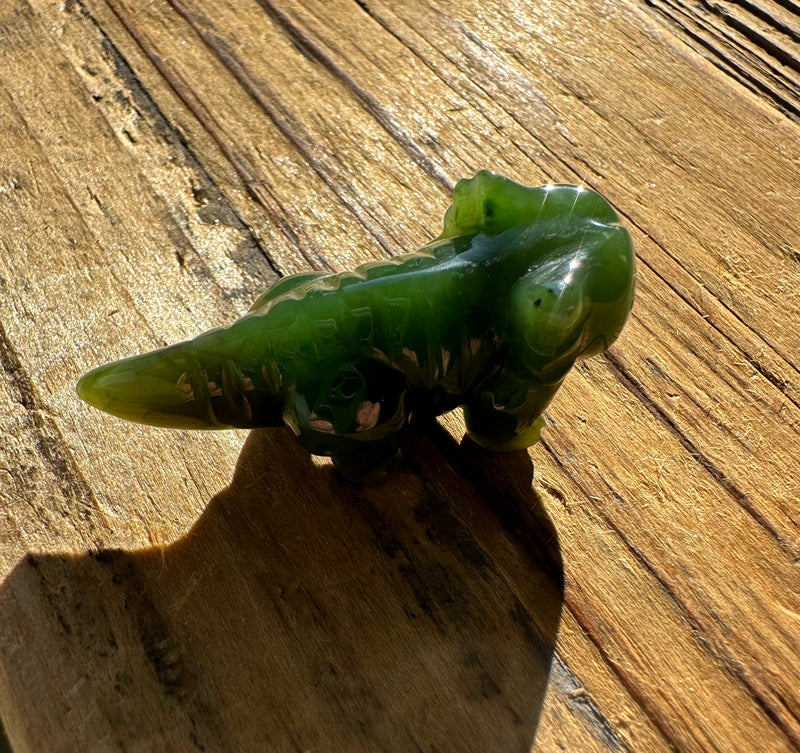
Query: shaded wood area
<point>632,583</point>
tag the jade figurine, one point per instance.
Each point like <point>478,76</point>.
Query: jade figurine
<point>490,316</point>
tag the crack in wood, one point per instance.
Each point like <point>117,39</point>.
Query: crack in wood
<point>294,131</point>
<point>50,444</point>
<point>161,125</point>
<point>314,51</point>
<point>636,388</point>
<point>722,37</point>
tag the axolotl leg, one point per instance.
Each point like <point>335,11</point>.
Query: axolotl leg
<point>505,411</point>
<point>357,417</point>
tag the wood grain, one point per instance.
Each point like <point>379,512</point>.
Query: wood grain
<point>629,584</point>
<point>756,43</point>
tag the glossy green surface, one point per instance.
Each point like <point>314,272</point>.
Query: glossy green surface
<point>490,316</point>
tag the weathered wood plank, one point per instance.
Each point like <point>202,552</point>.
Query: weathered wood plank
<point>756,43</point>
<point>161,163</point>
<point>326,24</point>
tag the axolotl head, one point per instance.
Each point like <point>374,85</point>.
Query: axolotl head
<point>569,263</point>
<point>574,302</point>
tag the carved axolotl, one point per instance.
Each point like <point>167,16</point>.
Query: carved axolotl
<point>489,316</point>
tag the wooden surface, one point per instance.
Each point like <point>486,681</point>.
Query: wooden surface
<point>630,584</point>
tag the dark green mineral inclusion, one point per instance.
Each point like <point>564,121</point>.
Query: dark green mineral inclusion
<point>490,316</point>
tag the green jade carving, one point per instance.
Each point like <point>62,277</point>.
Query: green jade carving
<point>490,316</point>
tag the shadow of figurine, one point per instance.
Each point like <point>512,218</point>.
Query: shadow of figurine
<point>300,613</point>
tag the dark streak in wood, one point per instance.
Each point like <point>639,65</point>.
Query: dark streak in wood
<point>770,18</point>
<point>434,588</point>
<point>672,388</point>
<point>755,59</point>
<point>315,52</point>
<point>161,125</point>
<point>32,561</point>
<point>176,671</point>
<point>534,532</point>
<point>283,119</point>
<point>585,708</point>
<point>183,91</point>
<point>49,442</point>
<point>636,388</point>
<point>443,527</point>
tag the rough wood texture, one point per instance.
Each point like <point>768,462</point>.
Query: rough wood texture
<point>161,163</point>
<point>756,42</point>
